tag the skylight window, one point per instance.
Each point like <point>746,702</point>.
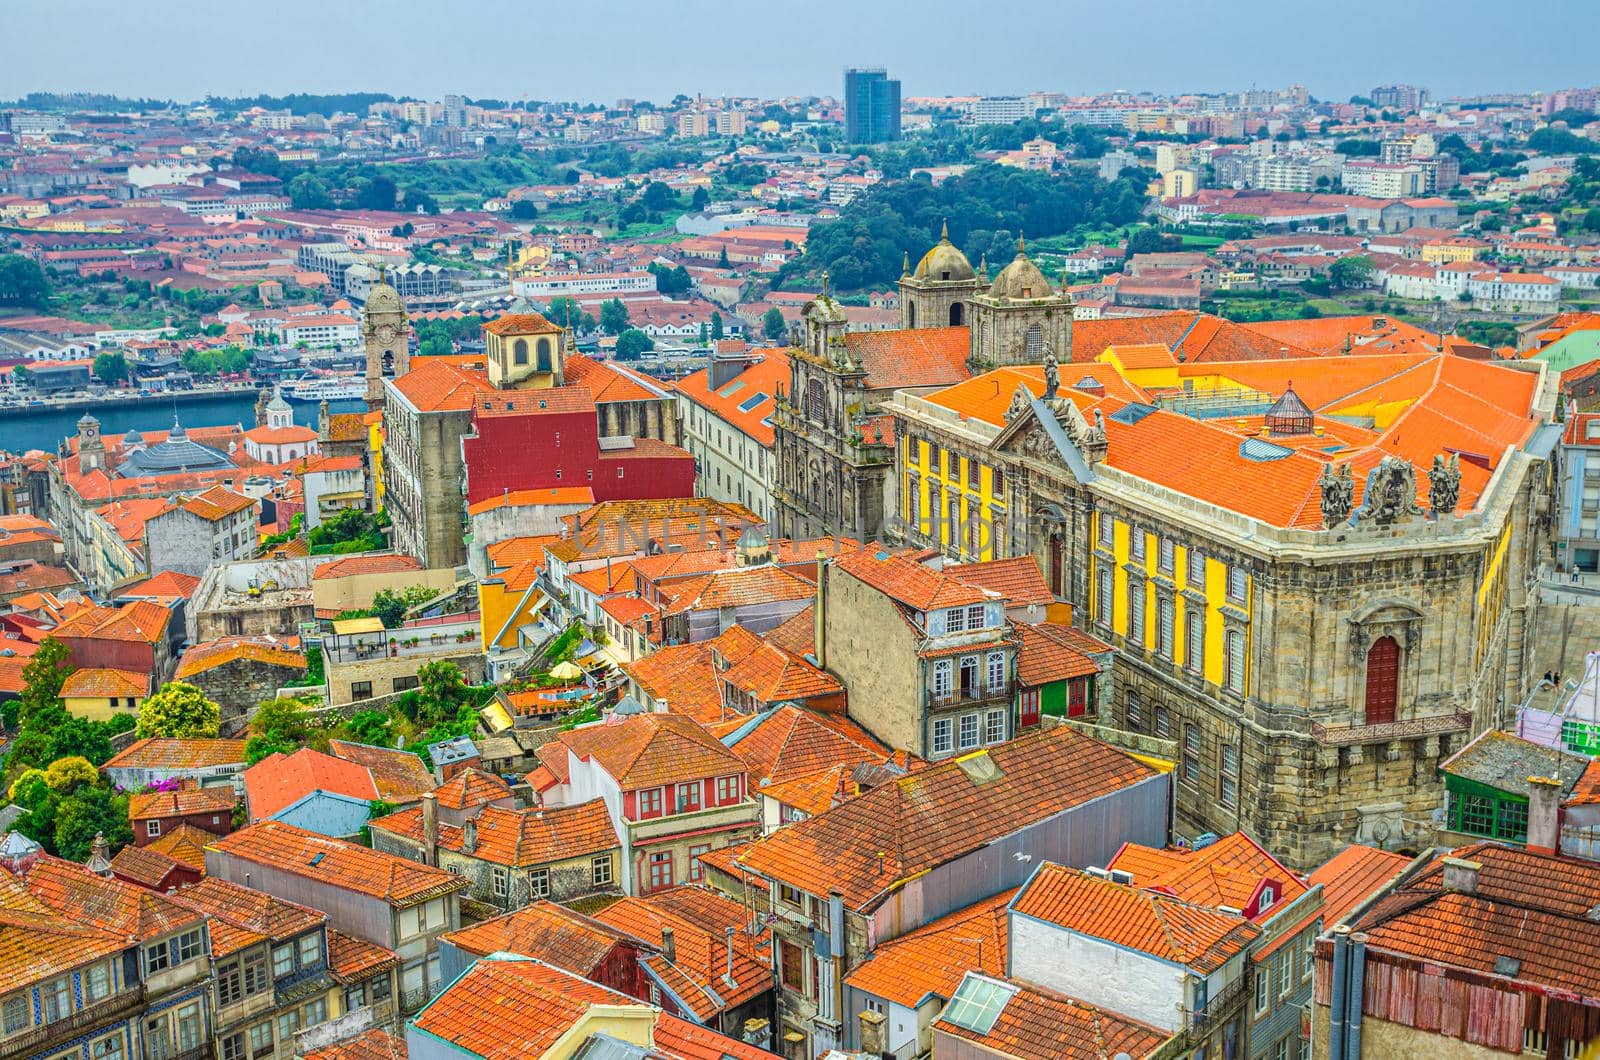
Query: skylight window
<point>732,388</point>
<point>977,1003</point>
<point>753,400</point>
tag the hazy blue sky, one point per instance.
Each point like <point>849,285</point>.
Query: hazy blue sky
<point>603,49</point>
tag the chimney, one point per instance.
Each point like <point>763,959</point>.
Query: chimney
<point>758,1032</point>
<point>430,829</point>
<point>469,835</point>
<point>669,946</point>
<point>819,616</point>
<point>874,1035</point>
<point>1544,814</point>
<point>728,974</point>
<point>1461,875</point>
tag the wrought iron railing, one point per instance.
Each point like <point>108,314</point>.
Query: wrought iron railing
<point>34,1042</point>
<point>983,693</point>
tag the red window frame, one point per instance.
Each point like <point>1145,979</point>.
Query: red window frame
<point>1029,707</point>
<point>660,866</point>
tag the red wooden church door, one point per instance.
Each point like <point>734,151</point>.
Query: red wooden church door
<point>1383,676</point>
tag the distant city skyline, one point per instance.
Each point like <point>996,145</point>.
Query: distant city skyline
<point>492,48</point>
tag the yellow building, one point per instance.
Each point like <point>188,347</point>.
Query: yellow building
<point>506,602</point>
<point>1179,183</point>
<point>100,694</point>
<point>1446,251</point>
<point>524,351</point>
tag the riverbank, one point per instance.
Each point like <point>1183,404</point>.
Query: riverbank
<point>44,426</point>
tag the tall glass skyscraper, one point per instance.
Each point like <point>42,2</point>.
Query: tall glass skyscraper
<point>871,107</point>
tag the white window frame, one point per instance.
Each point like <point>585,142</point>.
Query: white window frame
<point>996,667</point>
<point>974,731</point>
<point>943,736</point>
<point>538,884</point>
<point>600,870</point>
<point>992,721</point>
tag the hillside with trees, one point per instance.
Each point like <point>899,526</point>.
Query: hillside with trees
<point>985,209</point>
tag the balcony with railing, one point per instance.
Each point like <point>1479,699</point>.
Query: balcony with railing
<point>1409,729</point>
<point>37,1042</point>
<point>1200,1023</point>
<point>970,695</point>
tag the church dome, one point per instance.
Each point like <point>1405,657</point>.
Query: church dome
<point>1021,279</point>
<point>383,298</point>
<point>944,263</point>
<point>278,404</point>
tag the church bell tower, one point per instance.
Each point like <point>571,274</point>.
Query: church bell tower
<point>386,331</point>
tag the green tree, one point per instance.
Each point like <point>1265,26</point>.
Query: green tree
<point>1351,272</point>
<point>658,197</point>
<point>42,679</point>
<point>722,259</point>
<point>378,193</point>
<point>773,325</point>
<point>181,711</point>
<point>369,727</point>
<point>633,344</point>
<point>92,812</point>
<point>281,724</point>
<point>441,690</point>
<point>22,283</point>
<point>701,198</point>
<point>564,312</point>
<point>29,786</point>
<point>524,210</point>
<point>390,607</point>
<point>69,774</point>
<point>716,325</point>
<point>613,316</point>
<point>1591,220</point>
<point>308,192</point>
<point>91,740</point>
<point>111,367</point>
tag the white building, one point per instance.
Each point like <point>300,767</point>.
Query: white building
<point>573,284</point>
<point>322,332</point>
<point>999,110</point>
<point>1379,180</point>
<point>1515,292</point>
<point>725,413</point>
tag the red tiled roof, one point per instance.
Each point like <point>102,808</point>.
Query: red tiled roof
<point>209,655</point>
<point>348,865</point>
<point>355,566</point>
<point>791,742</point>
<point>868,846</point>
<point>1226,873</point>
<point>511,1009</point>
<point>520,838</point>
<point>1352,876</point>
<point>911,356</point>
<point>279,780</point>
<point>699,919</point>
<point>732,402</point>
<point>374,1044</point>
<point>160,753</point>
<point>581,495</point>
<point>147,867</point>
<point>919,588</point>
<point>469,788</point>
<point>111,905</point>
<point>353,960</point>
<point>143,622</point>
<point>1165,927</point>
<point>399,776</point>
<point>933,959</point>
<point>98,683</point>
<point>167,585</point>
<point>649,750</point>
<point>1050,652</point>
<point>38,942</point>
<point>1040,1024</point>
<point>181,803</point>
<point>185,844</point>
<point>545,931</point>
<point>1017,580</point>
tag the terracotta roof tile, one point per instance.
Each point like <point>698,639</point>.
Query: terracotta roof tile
<point>438,386</point>
<point>738,404</point>
<point>95,682</point>
<point>399,776</point>
<point>919,588</point>
<point>354,960</point>
<point>141,622</point>
<point>250,910</point>
<point>1039,1024</point>
<point>216,503</point>
<point>167,585</point>
<point>355,566</point>
<point>521,324</point>
<point>911,356</point>
<point>148,868</point>
<point>1165,927</point>
<point>545,931</point>
<point>167,753</point>
<point>356,868</point>
<point>111,905</point>
<point>374,1044</point>
<point>37,942</point>
<point>521,838</point>
<point>1226,873</point>
<point>699,919</point>
<point>1017,580</point>
<point>279,780</point>
<point>649,750</point>
<point>511,1009</point>
<point>1353,875</point>
<point>1051,652</point>
<point>866,847</point>
<point>791,742</point>
<point>469,788</point>
<point>608,381</point>
<point>185,844</point>
<point>181,803</point>
<point>933,959</point>
<point>685,677</point>
<point>206,656</point>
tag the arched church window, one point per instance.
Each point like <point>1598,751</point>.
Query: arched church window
<point>544,356</point>
<point>388,362</point>
<point>816,402</point>
<point>911,314</point>
<point>1035,342</point>
<point>1383,680</point>
<point>519,352</point>
<point>955,314</point>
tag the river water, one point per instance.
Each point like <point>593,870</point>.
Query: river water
<point>36,428</point>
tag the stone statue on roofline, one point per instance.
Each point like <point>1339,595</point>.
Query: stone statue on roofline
<point>1391,494</point>
<point>1338,494</point>
<point>1444,484</point>
<point>1052,373</point>
<point>1019,404</point>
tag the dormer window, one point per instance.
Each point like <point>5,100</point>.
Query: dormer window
<point>1267,898</point>
<point>975,617</point>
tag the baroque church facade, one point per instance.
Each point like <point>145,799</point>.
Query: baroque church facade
<point>835,445</point>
